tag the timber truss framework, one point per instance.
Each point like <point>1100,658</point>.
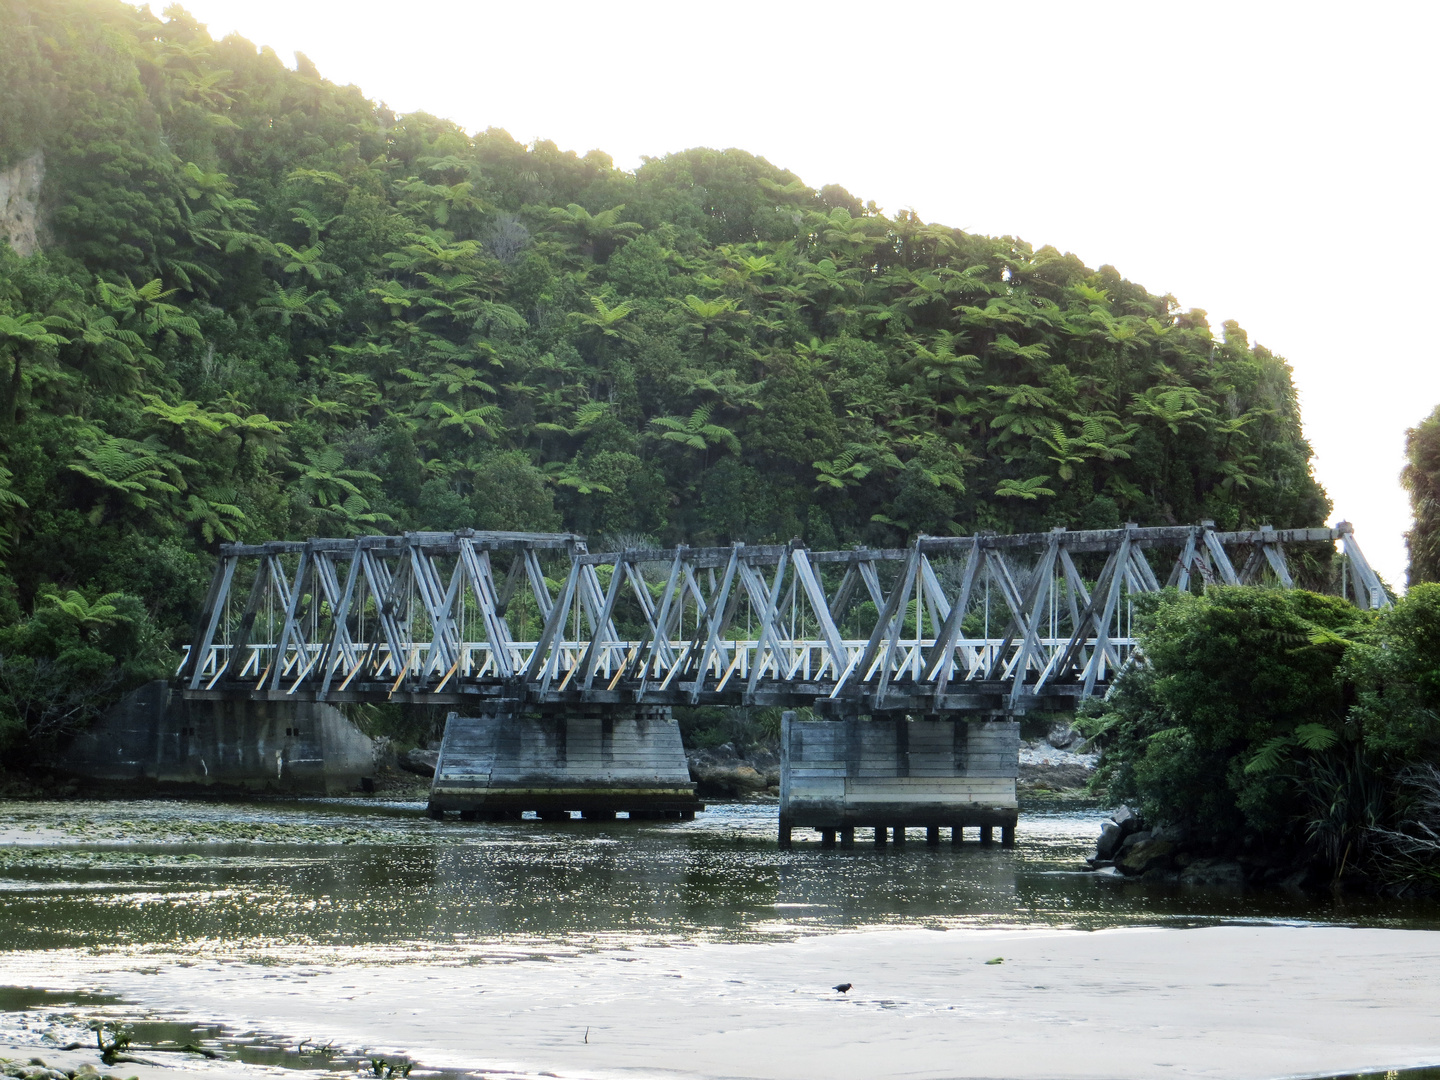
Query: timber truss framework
<point>983,622</point>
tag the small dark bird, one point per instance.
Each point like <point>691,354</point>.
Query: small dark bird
<point>843,987</point>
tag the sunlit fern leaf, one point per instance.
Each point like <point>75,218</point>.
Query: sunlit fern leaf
<point>1316,737</point>
<point>1269,755</point>
<point>1032,488</point>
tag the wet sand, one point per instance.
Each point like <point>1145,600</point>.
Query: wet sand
<point>1231,1001</point>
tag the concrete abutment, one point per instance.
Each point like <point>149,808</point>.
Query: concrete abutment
<point>154,735</point>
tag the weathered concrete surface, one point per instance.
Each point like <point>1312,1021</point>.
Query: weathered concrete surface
<point>845,773</point>
<point>155,735</point>
<point>20,203</point>
<point>599,760</point>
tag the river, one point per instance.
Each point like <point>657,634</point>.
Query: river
<point>196,914</point>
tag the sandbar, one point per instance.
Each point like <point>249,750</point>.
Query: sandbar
<point>1241,1001</point>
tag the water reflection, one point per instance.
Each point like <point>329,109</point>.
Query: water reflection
<point>354,874</point>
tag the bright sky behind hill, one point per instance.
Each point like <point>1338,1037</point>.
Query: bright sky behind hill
<point>1269,162</point>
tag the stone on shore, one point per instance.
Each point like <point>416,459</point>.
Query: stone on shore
<point>1053,763</point>
<point>1109,842</point>
<point>723,772</point>
<point>1144,851</point>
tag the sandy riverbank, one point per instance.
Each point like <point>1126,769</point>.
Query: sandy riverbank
<point>1235,1001</point>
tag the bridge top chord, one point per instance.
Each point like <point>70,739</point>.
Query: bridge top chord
<point>994,623</point>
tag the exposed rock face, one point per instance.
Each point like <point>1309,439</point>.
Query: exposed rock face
<point>721,772</point>
<point>20,203</point>
<point>1143,851</point>
<point>1114,834</point>
<point>1055,777</point>
<point>1126,849</point>
<point>1063,737</point>
<point>1054,763</point>
<point>1109,842</point>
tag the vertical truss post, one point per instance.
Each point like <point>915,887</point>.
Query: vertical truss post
<point>810,582</point>
<point>769,632</point>
<point>716,618</point>
<point>340,612</point>
<point>292,612</point>
<point>889,626</point>
<point>210,618</point>
<point>1370,594</point>
<point>937,664</point>
<point>602,623</point>
<point>551,635</point>
<point>1217,553</point>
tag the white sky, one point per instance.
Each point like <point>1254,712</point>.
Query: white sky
<point>1269,162</point>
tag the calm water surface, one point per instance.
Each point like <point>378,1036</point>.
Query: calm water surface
<point>241,877</point>
<point>371,884</point>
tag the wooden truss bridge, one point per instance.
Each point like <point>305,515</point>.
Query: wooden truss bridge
<point>985,622</point>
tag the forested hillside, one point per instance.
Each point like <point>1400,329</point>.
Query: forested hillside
<point>262,306</point>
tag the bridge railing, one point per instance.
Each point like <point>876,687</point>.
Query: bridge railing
<point>429,614</point>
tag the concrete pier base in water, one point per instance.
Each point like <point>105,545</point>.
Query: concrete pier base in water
<point>893,773</point>
<point>598,760</point>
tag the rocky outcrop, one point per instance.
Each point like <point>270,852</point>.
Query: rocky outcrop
<point>1058,762</point>
<point>20,203</point>
<point>1127,849</point>
<point>723,772</point>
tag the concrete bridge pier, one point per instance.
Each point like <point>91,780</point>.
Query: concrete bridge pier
<point>504,759</point>
<point>891,772</point>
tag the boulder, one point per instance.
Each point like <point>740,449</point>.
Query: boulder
<point>1109,842</point>
<point>1176,834</point>
<point>1109,872</point>
<point>1054,777</point>
<point>1128,821</point>
<point>720,772</point>
<point>1143,851</point>
<point>421,762</point>
<point>1062,736</point>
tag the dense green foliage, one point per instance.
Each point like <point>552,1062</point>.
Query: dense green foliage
<point>1288,719</point>
<point>1421,477</point>
<point>267,307</point>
